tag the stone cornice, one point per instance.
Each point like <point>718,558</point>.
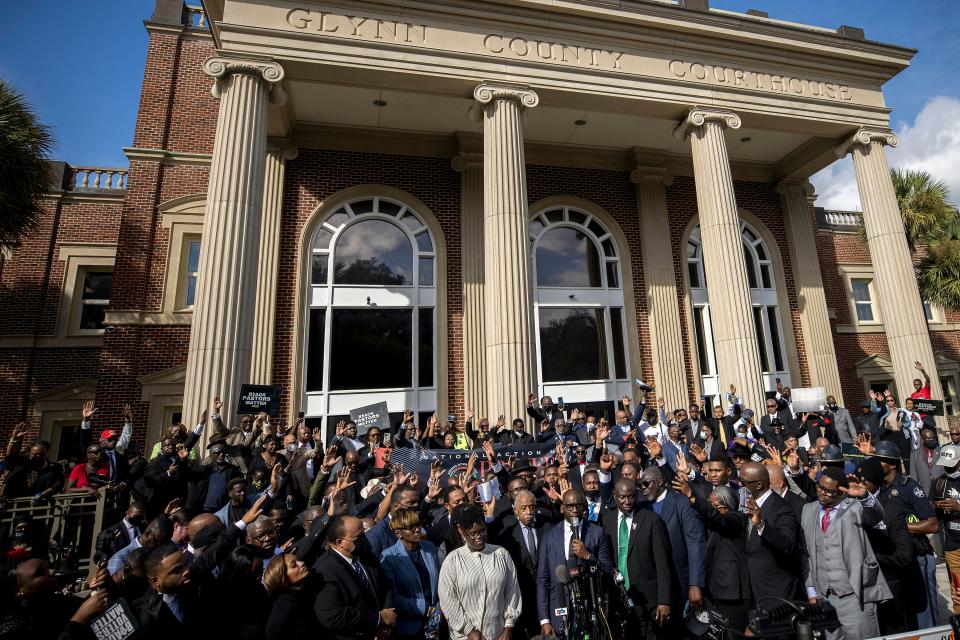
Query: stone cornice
<point>466,160</point>
<point>166,157</point>
<point>287,149</point>
<point>644,174</point>
<point>863,137</point>
<point>699,116</point>
<point>219,67</point>
<point>491,91</point>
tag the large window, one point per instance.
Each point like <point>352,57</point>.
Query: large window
<point>94,299</point>
<point>372,317</point>
<point>863,300</point>
<point>580,326</point>
<point>765,313</point>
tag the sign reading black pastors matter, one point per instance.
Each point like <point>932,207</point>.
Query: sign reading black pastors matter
<point>255,398</point>
<point>116,623</point>
<point>932,407</point>
<point>372,415</point>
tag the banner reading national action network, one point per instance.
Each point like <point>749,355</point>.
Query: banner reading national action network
<point>417,460</point>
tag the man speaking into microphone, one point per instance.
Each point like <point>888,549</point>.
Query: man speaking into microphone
<point>572,544</point>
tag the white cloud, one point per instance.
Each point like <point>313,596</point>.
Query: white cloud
<point>931,143</point>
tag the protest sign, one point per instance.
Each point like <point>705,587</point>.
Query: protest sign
<point>255,398</point>
<point>806,399</point>
<point>931,407</point>
<point>372,415</point>
<point>116,623</point>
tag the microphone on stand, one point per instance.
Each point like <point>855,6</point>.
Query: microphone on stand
<point>575,523</point>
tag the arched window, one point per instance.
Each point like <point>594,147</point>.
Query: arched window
<point>372,309</point>
<point>579,306</point>
<point>766,311</point>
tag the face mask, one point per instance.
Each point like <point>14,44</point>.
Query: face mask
<point>258,484</point>
<point>834,406</point>
<point>592,495</point>
<point>704,434</point>
<point>930,444</point>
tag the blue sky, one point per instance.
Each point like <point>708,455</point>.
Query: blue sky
<point>80,64</point>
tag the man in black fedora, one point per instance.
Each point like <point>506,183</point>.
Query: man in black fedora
<point>921,521</point>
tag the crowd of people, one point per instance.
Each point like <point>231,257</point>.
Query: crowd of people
<point>625,529</point>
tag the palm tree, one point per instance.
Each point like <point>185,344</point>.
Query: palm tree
<point>938,272</point>
<point>24,174</point>
<point>923,203</point>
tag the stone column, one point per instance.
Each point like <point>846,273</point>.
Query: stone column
<point>814,319</point>
<point>221,336</point>
<point>666,337</point>
<point>507,297</point>
<point>734,335</point>
<point>278,152</point>
<point>895,281</point>
<point>470,166</point>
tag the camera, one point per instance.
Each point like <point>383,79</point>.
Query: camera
<point>451,418</point>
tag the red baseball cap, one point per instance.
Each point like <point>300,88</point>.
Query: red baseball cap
<point>109,433</point>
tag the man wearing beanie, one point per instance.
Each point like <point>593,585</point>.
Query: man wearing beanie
<point>945,492</point>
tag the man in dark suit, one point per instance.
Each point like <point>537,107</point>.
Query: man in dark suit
<point>516,435</point>
<point>685,531</point>
<point>572,542</point>
<point>114,538</point>
<point>170,609</point>
<point>776,415</point>
<point>709,441</point>
<point>354,601</point>
<point>438,532</point>
<point>778,482</point>
<point>773,539</point>
<point>522,535</point>
<point>640,547</point>
<point>546,411</point>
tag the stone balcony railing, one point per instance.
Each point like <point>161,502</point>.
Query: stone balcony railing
<point>195,17</point>
<point>96,179</point>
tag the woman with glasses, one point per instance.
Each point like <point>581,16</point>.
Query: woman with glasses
<point>90,475</point>
<point>479,595</point>
<point>267,457</point>
<point>413,568</point>
<point>895,425</point>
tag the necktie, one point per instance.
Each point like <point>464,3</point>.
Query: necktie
<point>361,574</point>
<point>174,605</point>
<point>623,540</point>
<point>531,543</point>
<point>574,535</point>
<point>825,523</point>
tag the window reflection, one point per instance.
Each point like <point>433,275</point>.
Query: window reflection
<point>371,349</point>
<point>373,252</point>
<point>573,345</point>
<point>567,258</point>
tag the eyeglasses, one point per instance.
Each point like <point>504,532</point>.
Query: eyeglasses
<point>480,534</point>
<point>93,450</point>
<point>576,505</point>
<point>646,484</point>
<point>771,406</point>
<point>828,492</point>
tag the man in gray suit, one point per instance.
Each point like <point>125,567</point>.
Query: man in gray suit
<point>842,421</point>
<point>843,569</point>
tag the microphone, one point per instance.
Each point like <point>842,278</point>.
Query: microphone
<point>562,574</point>
<point>575,523</point>
<point>622,586</point>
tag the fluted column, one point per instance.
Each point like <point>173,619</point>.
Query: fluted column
<point>894,278</point>
<point>278,152</point>
<point>470,167</point>
<point>508,331</point>
<point>669,368</point>
<point>814,319</point>
<point>221,336</point>
<point>731,313</point>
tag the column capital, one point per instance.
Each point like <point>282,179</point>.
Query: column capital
<point>271,72</point>
<point>788,185</point>
<point>284,147</point>
<point>862,137</point>
<point>699,116</point>
<point>466,160</point>
<point>489,91</point>
<point>652,174</point>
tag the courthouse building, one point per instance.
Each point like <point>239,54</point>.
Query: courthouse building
<point>454,203</point>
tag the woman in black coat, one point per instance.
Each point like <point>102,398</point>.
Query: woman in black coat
<point>293,589</point>
<point>240,595</point>
<point>728,582</point>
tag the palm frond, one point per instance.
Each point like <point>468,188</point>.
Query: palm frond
<point>24,174</point>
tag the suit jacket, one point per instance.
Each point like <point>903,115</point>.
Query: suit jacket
<point>550,595</point>
<point>714,451</point>
<point>843,423</point>
<point>112,539</point>
<point>509,436</point>
<point>790,425</point>
<point>239,443</point>
<point>381,537</point>
<point>510,537</point>
<point>893,548</point>
<point>157,622</point>
<point>648,547</point>
<point>344,606</point>
<point>774,558</point>
<point>727,574</point>
<point>854,518</point>
<point>408,597</point>
<point>796,502</point>
<point>687,540</point>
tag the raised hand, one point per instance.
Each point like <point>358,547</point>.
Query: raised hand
<point>407,416</point>
<point>607,461</point>
<point>625,400</point>
<point>752,511</point>
<point>204,416</point>
<point>698,453</point>
<point>19,431</point>
<point>128,412</point>
<point>471,463</point>
<point>682,467</point>
<point>470,414</point>
<point>255,511</point>
<point>918,366</point>
<point>433,488</point>
<point>217,404</point>
<point>682,486</point>
<point>488,450</point>
<point>653,447</point>
<point>531,399</point>
<point>661,403</point>
<point>88,410</point>
<point>343,479</point>
<point>317,435</point>
<point>544,425</point>
<point>863,444</point>
<point>501,421</point>
<point>774,454</point>
<point>172,507</point>
<point>341,427</point>
<point>793,459</point>
<point>564,484</point>
<point>489,508</point>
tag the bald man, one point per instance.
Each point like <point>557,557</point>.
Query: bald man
<point>778,482</point>
<point>773,539</point>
